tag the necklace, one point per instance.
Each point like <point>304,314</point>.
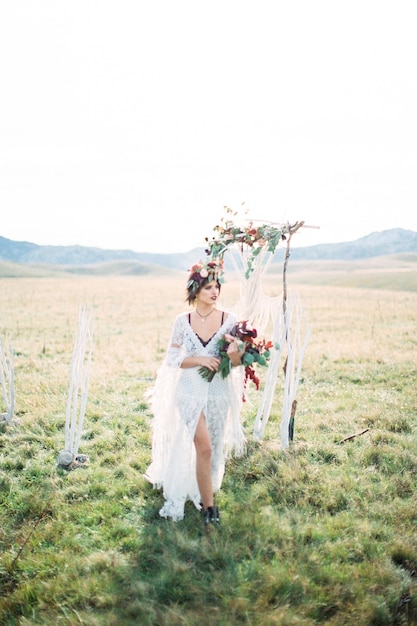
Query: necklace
<point>204,317</point>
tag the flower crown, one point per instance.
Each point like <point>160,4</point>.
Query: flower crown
<point>204,272</point>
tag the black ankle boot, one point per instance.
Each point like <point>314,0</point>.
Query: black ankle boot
<point>211,515</point>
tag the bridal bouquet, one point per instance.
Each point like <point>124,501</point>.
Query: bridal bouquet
<point>256,352</point>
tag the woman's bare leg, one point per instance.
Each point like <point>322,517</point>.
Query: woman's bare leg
<point>202,445</point>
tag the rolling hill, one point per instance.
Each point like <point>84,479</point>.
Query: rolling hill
<point>377,244</point>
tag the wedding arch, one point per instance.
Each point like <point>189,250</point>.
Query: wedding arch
<point>250,247</point>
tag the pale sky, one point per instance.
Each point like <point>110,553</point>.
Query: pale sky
<point>131,124</point>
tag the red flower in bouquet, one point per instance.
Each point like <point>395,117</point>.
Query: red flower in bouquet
<point>256,352</point>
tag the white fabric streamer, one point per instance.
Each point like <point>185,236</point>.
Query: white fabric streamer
<point>7,382</point>
<point>79,382</point>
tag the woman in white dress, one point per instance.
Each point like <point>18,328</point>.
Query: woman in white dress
<point>196,424</point>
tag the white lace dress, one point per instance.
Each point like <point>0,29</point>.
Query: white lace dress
<point>178,399</point>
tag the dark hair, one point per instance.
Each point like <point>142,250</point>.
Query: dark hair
<point>196,284</point>
<point>201,274</point>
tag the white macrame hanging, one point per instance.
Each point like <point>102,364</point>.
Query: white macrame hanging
<point>253,304</point>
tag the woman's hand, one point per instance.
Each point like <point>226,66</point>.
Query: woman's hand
<point>235,350</point>
<point>211,362</point>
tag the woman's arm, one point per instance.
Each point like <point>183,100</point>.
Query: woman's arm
<point>211,362</point>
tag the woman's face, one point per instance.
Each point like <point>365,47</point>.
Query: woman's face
<point>209,294</point>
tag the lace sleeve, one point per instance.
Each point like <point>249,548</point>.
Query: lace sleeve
<point>175,352</point>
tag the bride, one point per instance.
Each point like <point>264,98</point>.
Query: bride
<point>196,421</point>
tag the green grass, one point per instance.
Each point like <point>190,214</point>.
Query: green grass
<point>323,533</point>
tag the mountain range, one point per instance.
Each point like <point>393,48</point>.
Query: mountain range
<point>376,244</point>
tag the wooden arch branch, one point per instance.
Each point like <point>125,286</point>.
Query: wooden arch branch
<point>291,231</point>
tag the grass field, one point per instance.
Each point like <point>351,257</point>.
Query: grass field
<point>324,533</point>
